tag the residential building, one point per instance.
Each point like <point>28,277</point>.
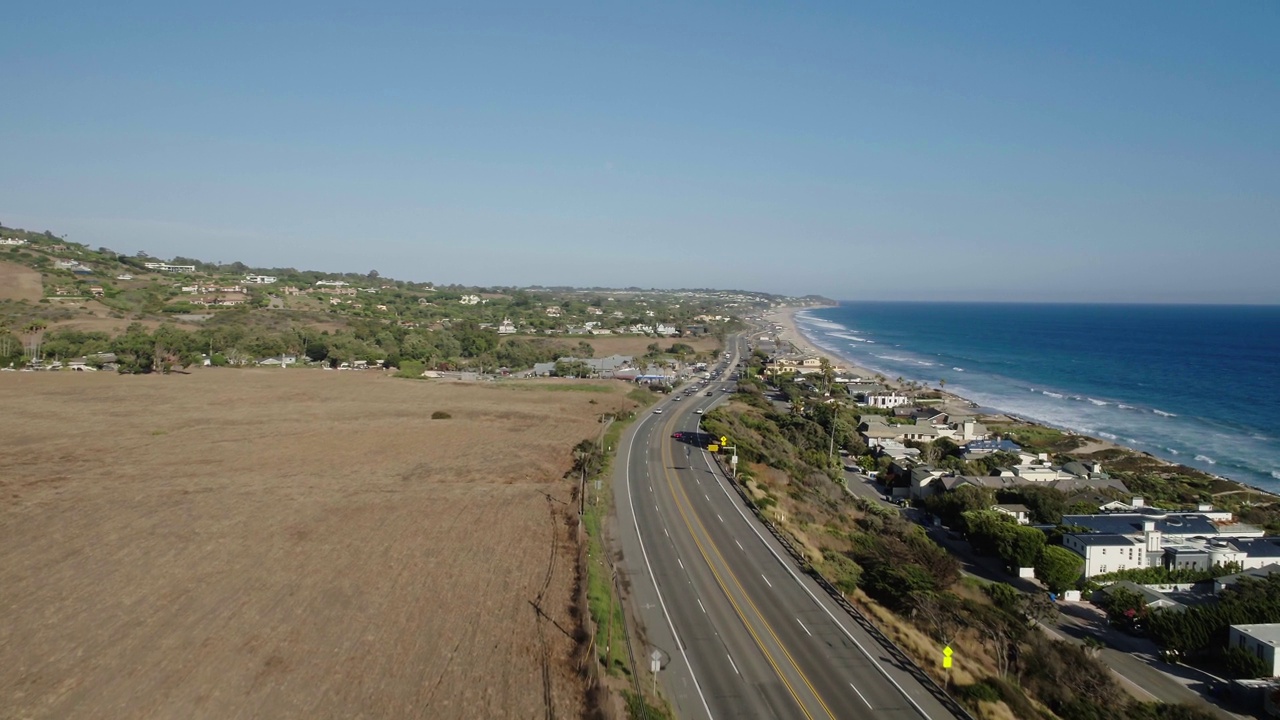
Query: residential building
<point>506,327</point>
<point>1222,583</point>
<point>1020,513</point>
<point>1259,640</point>
<point>166,267</point>
<point>666,330</point>
<point>124,276</point>
<point>12,241</point>
<point>469,299</point>
<point>260,279</point>
<point>887,400</point>
<point>332,283</point>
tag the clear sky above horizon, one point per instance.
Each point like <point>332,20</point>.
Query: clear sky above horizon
<point>921,151</point>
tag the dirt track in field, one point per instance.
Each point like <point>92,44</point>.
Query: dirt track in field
<point>287,543</point>
<point>18,282</point>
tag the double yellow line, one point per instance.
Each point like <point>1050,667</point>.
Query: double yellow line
<point>677,492</point>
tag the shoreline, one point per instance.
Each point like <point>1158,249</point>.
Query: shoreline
<point>791,334</point>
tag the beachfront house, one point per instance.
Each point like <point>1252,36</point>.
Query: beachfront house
<point>886,400</point>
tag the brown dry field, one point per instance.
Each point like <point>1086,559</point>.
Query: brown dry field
<point>287,543</point>
<point>18,282</point>
<point>636,345</point>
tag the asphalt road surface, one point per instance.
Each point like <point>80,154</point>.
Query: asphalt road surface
<point>740,631</point>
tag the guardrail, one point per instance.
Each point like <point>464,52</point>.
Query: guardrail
<point>903,660</point>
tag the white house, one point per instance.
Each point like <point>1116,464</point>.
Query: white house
<point>887,400</point>
<point>332,283</point>
<point>12,241</point>
<point>507,327</point>
<point>260,279</point>
<point>1259,640</point>
<point>1020,513</point>
<point>166,267</point>
<point>469,299</point>
<point>665,329</point>
<point>1108,552</point>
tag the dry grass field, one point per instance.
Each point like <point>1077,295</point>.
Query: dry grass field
<point>297,544</point>
<point>18,282</point>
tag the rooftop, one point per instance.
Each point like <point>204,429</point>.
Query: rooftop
<point>1185,524</point>
<point>1265,632</point>
<point>1104,539</point>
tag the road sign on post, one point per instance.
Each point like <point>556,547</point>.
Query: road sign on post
<point>946,657</point>
<point>724,440</point>
<point>655,665</point>
<point>713,448</point>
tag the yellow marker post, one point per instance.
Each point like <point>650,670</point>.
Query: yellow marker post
<point>946,657</point>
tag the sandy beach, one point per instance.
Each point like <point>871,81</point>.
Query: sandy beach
<point>791,334</point>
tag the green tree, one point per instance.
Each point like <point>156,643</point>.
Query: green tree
<point>1058,568</point>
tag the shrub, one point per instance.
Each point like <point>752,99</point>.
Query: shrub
<point>978,692</point>
<point>1240,663</point>
<point>843,572</point>
<point>440,415</point>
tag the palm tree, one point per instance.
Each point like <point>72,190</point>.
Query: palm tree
<point>33,337</point>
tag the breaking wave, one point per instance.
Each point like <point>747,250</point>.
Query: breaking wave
<point>1206,459</point>
<point>1162,413</point>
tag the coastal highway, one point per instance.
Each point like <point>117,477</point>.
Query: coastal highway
<point>740,631</point>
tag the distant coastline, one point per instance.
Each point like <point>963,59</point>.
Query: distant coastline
<point>792,333</point>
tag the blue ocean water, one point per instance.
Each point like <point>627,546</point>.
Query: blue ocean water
<point>1198,384</point>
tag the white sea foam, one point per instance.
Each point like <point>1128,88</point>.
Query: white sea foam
<point>1206,459</point>
<point>1172,451</point>
<point>1099,403</point>
<point>825,324</point>
<point>1056,396</point>
<point>1162,413</point>
<point>1275,474</point>
<point>958,369</point>
<point>1122,406</point>
<point>1108,436</point>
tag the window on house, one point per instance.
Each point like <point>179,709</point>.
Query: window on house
<point>1102,569</point>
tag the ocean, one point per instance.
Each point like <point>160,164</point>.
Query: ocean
<point>1198,385</point>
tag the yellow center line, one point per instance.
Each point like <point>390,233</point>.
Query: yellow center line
<point>667,462</point>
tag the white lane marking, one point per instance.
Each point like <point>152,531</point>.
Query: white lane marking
<point>766,581</point>
<point>717,514</point>
<point>706,496</point>
<point>860,697</point>
<point>735,542</point>
<point>704,610</point>
<point>802,625</point>
<point>733,664</point>
<point>664,532</point>
<point>681,564</point>
<point>721,481</point>
<point>635,522</point>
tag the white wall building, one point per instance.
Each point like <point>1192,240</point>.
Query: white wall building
<point>260,279</point>
<point>166,267</point>
<point>1259,640</point>
<point>887,400</point>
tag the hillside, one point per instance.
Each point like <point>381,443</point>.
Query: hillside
<point>70,300</point>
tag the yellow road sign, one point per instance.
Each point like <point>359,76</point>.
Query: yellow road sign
<point>713,448</point>
<point>724,440</point>
<point>946,657</point>
<point>947,651</point>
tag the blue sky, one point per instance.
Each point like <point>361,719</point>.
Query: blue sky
<point>999,151</point>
